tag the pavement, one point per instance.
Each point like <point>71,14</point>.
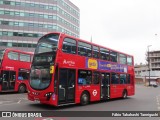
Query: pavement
<point>145,99</point>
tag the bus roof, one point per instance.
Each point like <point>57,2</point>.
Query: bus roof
<point>78,39</point>
<point>15,50</point>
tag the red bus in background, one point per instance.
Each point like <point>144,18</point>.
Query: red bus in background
<point>67,70</point>
<point>14,70</point>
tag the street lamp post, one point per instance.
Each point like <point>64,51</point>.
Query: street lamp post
<point>149,63</point>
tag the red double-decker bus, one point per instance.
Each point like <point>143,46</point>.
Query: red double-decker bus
<point>14,70</point>
<point>67,70</point>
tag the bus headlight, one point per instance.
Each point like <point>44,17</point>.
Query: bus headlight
<point>48,95</point>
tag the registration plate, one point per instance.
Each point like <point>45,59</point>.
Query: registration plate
<point>36,100</point>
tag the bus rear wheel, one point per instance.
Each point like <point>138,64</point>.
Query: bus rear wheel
<point>22,89</point>
<point>84,98</point>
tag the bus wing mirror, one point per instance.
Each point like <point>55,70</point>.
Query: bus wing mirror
<point>60,86</point>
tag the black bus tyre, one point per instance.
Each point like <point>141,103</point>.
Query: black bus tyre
<point>84,98</point>
<point>22,88</point>
<point>124,95</point>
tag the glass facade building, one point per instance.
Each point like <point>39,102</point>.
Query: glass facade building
<point>22,22</point>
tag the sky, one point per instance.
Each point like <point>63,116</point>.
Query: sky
<point>128,26</point>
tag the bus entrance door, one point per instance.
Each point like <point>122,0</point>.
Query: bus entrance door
<point>8,80</point>
<point>66,90</point>
<point>105,86</point>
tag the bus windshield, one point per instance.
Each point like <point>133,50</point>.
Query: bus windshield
<point>1,56</point>
<point>44,57</point>
<point>40,77</point>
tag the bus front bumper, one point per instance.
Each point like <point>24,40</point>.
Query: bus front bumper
<point>44,98</point>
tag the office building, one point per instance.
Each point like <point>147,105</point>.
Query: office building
<point>142,71</point>
<point>23,22</point>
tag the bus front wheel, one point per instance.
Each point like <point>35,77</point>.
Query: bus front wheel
<point>22,88</point>
<point>84,98</point>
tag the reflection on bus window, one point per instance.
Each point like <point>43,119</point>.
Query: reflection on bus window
<point>122,58</point>
<point>45,47</point>
<point>96,77</point>
<point>123,79</point>
<point>128,79</point>
<point>95,52</point>
<point>13,55</point>
<point>104,54</point>
<point>113,56</point>
<point>23,74</point>
<point>84,77</point>
<point>69,46</point>
<point>129,60</point>
<point>84,49</point>
<point>1,55</point>
<point>115,78</point>
<point>47,43</point>
<point>25,58</point>
<point>40,77</point>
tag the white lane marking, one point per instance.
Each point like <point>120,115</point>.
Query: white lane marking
<point>9,104</point>
<point>1,102</point>
<point>19,101</point>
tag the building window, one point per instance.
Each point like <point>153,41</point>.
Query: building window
<point>84,77</point>
<point>31,24</point>
<point>9,44</point>
<point>41,6</point>
<point>7,12</point>
<point>32,4</point>
<point>31,14</point>
<point>1,2</point>
<point>4,33</point>
<point>12,3</point>
<point>5,22</point>
<point>2,12</point>
<point>21,24</point>
<point>16,23</point>
<point>46,16</point>
<point>41,15</point>
<point>17,13</point>
<point>50,7</point>
<point>40,25</point>
<point>17,3</point>
<point>22,14</point>
<point>50,26</point>
<point>10,33</point>
<point>7,2</point>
